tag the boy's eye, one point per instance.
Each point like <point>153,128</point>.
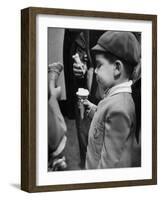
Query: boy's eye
<point>98,65</point>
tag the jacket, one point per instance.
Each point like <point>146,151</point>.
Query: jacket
<point>112,130</point>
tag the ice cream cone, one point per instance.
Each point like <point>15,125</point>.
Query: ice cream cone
<point>82,95</point>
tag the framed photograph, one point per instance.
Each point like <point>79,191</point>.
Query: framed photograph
<point>88,99</point>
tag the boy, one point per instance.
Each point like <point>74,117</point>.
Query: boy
<point>112,129</point>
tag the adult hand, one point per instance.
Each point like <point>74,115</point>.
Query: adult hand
<point>79,68</point>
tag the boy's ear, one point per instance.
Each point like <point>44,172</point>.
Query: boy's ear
<point>118,68</point>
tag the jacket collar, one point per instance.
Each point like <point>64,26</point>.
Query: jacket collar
<point>123,87</point>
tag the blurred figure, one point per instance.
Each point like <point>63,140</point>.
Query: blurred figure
<point>56,124</point>
<point>84,77</point>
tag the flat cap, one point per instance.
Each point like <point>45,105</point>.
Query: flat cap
<point>123,45</point>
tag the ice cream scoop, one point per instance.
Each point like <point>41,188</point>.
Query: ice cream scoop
<point>82,92</point>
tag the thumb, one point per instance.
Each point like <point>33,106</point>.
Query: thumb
<point>86,102</point>
<point>58,92</point>
<point>58,88</point>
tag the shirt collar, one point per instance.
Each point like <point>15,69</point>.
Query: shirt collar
<point>123,87</point>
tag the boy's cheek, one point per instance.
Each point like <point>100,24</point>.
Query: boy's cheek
<point>99,81</point>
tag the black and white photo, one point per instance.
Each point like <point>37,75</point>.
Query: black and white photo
<point>101,127</point>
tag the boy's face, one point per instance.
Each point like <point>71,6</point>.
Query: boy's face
<point>104,72</point>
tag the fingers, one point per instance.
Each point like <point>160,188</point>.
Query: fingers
<point>78,70</point>
<point>86,102</point>
<point>87,106</point>
<point>79,74</point>
<point>55,67</point>
<point>78,67</point>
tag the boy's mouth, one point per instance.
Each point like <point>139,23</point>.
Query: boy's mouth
<point>98,80</point>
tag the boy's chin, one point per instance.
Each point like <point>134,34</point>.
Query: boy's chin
<point>101,85</point>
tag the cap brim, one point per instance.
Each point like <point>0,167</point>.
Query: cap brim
<point>97,47</point>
